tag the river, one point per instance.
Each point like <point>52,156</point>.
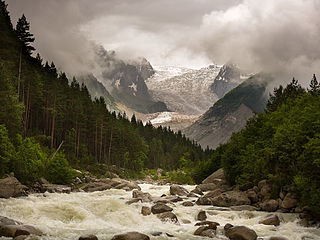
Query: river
<point>67,216</point>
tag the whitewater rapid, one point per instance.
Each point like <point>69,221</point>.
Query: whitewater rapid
<point>105,214</point>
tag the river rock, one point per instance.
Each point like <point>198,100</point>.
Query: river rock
<point>252,195</point>
<point>173,198</point>
<point>197,190</point>
<point>160,208</point>
<point>271,220</point>
<point>27,237</point>
<point>290,201</point>
<point>219,174</point>
<point>265,191</point>
<point>213,225</point>
<point>201,216</point>
<point>185,221</point>
<point>168,216</point>
<point>145,197</point>
<point>96,186</point>
<point>204,201</point>
<point>187,204</point>
<point>192,195</point>
<point>55,188</point>
<point>178,190</point>
<point>8,221</point>
<point>241,233</point>
<point>205,187</point>
<point>17,230</point>
<point>278,238</point>
<point>213,194</point>
<point>131,236</point>
<point>11,187</point>
<point>88,237</point>
<point>205,231</point>
<point>269,205</point>
<point>145,211</point>
<point>231,198</point>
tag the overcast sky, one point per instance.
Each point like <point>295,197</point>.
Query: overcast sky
<point>271,35</point>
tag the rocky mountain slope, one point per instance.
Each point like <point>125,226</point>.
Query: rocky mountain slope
<point>230,113</point>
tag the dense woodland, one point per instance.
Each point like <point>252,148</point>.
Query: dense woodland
<point>43,111</point>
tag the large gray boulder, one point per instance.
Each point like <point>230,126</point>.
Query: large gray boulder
<point>205,231</point>
<point>269,205</point>
<point>131,236</point>
<point>88,237</point>
<point>231,198</point>
<point>178,190</point>
<point>271,220</point>
<point>160,208</point>
<point>219,174</point>
<point>290,201</point>
<point>96,186</point>
<point>168,217</point>
<point>144,196</point>
<point>17,230</point>
<point>240,233</point>
<point>11,187</point>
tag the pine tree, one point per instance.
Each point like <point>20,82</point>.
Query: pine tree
<point>314,85</point>
<point>22,31</point>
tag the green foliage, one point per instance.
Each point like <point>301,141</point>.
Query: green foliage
<point>22,31</point>
<point>29,163</point>
<point>58,170</point>
<point>7,151</point>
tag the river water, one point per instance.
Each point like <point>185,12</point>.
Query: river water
<point>67,216</point>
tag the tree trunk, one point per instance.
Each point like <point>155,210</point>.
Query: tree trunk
<point>19,73</point>
<point>53,121</point>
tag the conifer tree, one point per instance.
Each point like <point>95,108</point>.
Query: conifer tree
<point>314,85</point>
<point>22,31</point>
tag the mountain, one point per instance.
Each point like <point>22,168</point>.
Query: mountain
<point>183,90</point>
<point>126,81</point>
<point>230,113</point>
<point>228,78</point>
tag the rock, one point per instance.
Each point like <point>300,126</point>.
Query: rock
<point>256,189</point>
<point>217,174</point>
<point>27,237</point>
<point>289,201</point>
<point>204,201</point>
<point>205,187</point>
<point>271,220</point>
<point>278,238</point>
<point>241,233</point>
<point>178,190</point>
<point>244,208</point>
<point>157,234</point>
<point>8,221</point>
<point>11,187</point>
<point>131,236</point>
<point>212,225</point>
<point>77,180</point>
<point>54,188</point>
<point>131,201</point>
<point>185,221</point>
<point>227,227</point>
<point>265,191</point>
<point>231,198</point>
<point>213,194</point>
<point>174,198</point>
<point>145,211</point>
<point>201,216</point>
<point>88,237</point>
<point>96,186</point>
<point>197,190</point>
<point>168,216</point>
<point>262,183</point>
<point>269,205</point>
<point>187,204</point>
<point>245,186</point>
<point>17,230</point>
<point>253,196</point>
<point>193,195</point>
<point>145,197</point>
<point>160,208</point>
<point>205,231</point>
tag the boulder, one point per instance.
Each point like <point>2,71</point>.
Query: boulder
<point>160,208</point>
<point>241,233</point>
<point>26,237</point>
<point>231,198</point>
<point>212,225</point>
<point>213,194</point>
<point>88,237</point>
<point>96,186</point>
<point>11,187</point>
<point>187,204</point>
<point>205,231</point>
<point>145,211</point>
<point>17,230</point>
<point>145,197</point>
<point>289,201</point>
<point>197,190</point>
<point>219,174</point>
<point>168,216</point>
<point>201,216</point>
<point>173,198</point>
<point>252,195</point>
<point>244,208</point>
<point>134,200</point>
<point>8,221</point>
<point>204,201</point>
<point>278,238</point>
<point>262,183</point>
<point>54,188</point>
<point>131,236</point>
<point>193,195</point>
<point>271,220</point>
<point>269,205</point>
<point>178,190</point>
<point>265,191</point>
<point>205,187</point>
<point>185,221</point>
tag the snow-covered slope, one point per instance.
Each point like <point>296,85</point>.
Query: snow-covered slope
<point>184,90</point>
